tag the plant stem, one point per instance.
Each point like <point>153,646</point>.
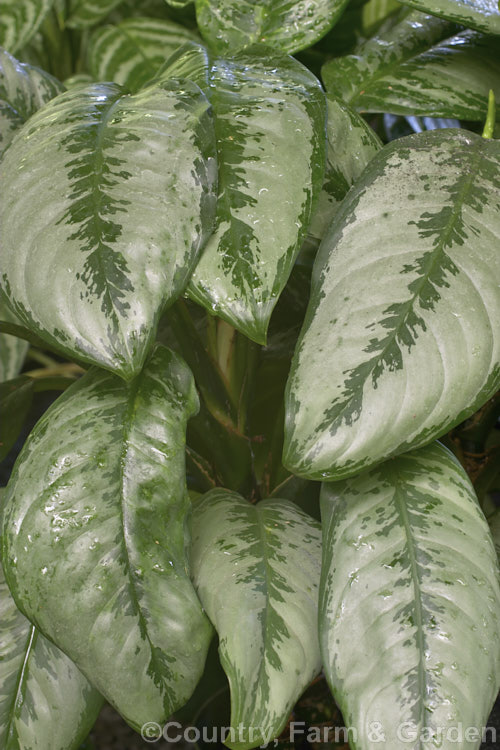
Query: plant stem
<point>43,359</point>
<point>489,125</point>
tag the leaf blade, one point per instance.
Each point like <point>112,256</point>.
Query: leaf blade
<point>123,210</point>
<point>408,586</point>
<point>109,504</point>
<point>425,254</point>
<point>131,52</point>
<point>249,556</point>
<point>34,673</point>
<point>482,15</point>
<point>262,102</point>
<point>228,25</point>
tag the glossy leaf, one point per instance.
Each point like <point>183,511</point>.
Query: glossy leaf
<point>410,603</point>
<point>98,187</point>
<point>19,21</point>
<point>400,341</point>
<point>263,103</point>
<point>412,70</point>
<point>45,701</point>
<point>287,25</point>
<point>190,61</point>
<point>12,349</point>
<point>131,52</point>
<point>16,397</point>
<point>351,145</point>
<point>483,15</point>
<point>23,90</point>
<point>81,14</point>
<point>256,569</point>
<point>94,534</point>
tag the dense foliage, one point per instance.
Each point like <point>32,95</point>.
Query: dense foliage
<point>251,250</point>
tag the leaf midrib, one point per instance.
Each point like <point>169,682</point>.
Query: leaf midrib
<point>21,677</point>
<point>411,547</point>
<point>133,391</point>
<point>97,161</point>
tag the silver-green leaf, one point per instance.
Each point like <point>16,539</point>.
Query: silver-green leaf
<point>23,90</point>
<point>287,25</point>
<point>419,68</point>
<point>400,340</point>
<point>45,701</point>
<point>131,52</point>
<point>270,120</point>
<point>256,569</point>
<point>20,20</point>
<point>483,15</point>
<point>351,145</point>
<point>410,603</point>
<point>95,536</point>
<point>107,200</point>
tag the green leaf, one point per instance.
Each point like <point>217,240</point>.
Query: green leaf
<point>12,349</point>
<point>256,569</point>
<point>374,12</point>
<point>45,701</point>
<point>494,521</point>
<point>179,3</point>
<point>396,73</point>
<point>97,187</point>
<point>410,579</point>
<point>351,145</point>
<point>23,90</point>
<point>270,130</point>
<point>400,341</point>
<point>131,52</point>
<point>483,15</point>
<point>287,25</point>
<point>81,14</point>
<point>95,537</point>
<point>19,21</point>
<point>16,397</point>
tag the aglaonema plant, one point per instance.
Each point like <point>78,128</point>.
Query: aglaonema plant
<point>248,248</point>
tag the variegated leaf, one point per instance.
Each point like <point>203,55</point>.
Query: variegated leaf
<point>400,340</point>
<point>107,201</point>
<point>81,14</point>
<point>263,102</point>
<point>94,535</point>
<point>351,145</point>
<point>483,15</point>
<point>412,70</point>
<point>131,52</point>
<point>190,61</point>
<point>12,349</point>
<point>409,604</point>
<point>45,701</point>
<point>179,3</point>
<point>256,569</point>
<point>19,21</point>
<point>23,90</point>
<point>287,25</point>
